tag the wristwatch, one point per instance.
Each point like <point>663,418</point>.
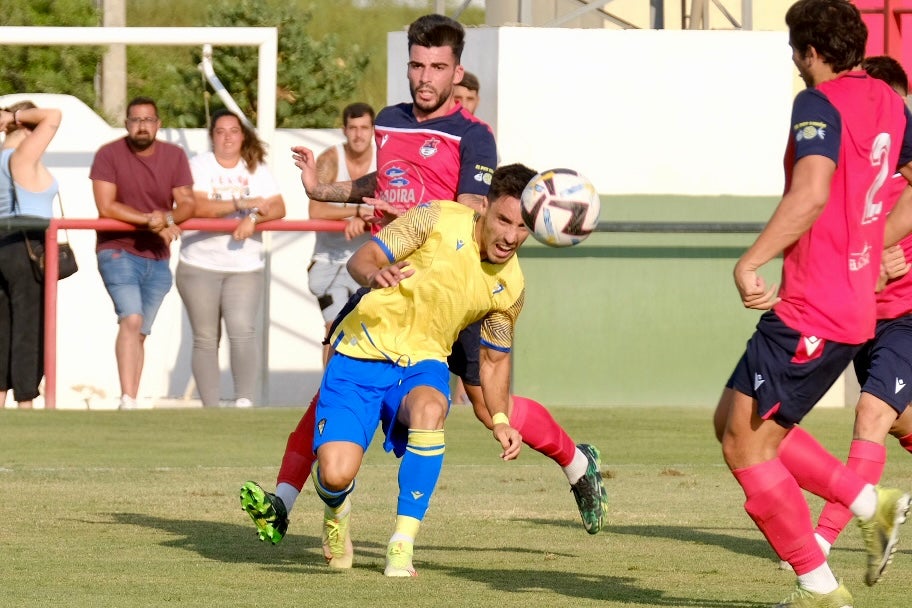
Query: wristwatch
<point>169,218</point>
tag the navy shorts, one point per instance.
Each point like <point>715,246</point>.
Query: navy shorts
<point>463,360</point>
<point>884,364</point>
<point>786,372</point>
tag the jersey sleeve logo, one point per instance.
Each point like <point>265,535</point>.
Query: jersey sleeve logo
<point>810,130</point>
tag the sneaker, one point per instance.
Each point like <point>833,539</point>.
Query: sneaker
<point>127,403</point>
<point>881,532</point>
<point>399,559</point>
<point>802,598</point>
<point>337,544</point>
<point>266,510</point>
<point>243,403</point>
<point>589,491</point>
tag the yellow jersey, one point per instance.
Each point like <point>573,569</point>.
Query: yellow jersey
<point>451,288</point>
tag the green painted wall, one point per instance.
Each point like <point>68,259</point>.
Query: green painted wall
<point>638,319</point>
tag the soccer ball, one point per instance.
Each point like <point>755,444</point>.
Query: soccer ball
<point>560,207</point>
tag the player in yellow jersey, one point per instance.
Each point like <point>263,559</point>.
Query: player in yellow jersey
<point>439,268</point>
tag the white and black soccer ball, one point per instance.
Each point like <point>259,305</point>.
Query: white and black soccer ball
<point>560,207</point>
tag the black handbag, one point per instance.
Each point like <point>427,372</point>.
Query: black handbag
<point>66,258</point>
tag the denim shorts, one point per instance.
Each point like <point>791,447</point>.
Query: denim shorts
<point>136,285</point>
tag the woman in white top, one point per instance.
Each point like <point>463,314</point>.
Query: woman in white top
<point>26,188</point>
<point>220,275</point>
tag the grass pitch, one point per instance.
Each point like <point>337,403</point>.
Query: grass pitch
<point>140,509</point>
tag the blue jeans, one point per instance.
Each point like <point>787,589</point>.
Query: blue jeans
<point>136,285</point>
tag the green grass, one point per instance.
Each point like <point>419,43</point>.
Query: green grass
<point>140,509</point>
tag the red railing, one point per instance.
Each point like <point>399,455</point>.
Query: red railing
<point>51,261</point>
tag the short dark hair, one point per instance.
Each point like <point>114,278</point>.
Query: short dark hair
<point>510,180</point>
<point>884,67</point>
<point>469,81</point>
<point>833,27</point>
<point>357,110</point>
<point>437,30</point>
<point>142,101</point>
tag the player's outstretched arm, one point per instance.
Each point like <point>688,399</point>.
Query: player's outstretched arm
<point>336,192</point>
<point>495,384</point>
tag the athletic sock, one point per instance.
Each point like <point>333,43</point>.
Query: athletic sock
<point>577,467</point>
<point>299,454</point>
<point>777,506</point>
<point>289,494</point>
<point>818,471</point>
<point>541,432</point>
<point>406,529</point>
<point>334,500</point>
<point>865,458</point>
<point>819,580</point>
<point>419,471</point>
<point>906,442</point>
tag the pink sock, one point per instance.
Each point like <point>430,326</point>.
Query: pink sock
<point>906,442</point>
<point>299,455</point>
<point>540,431</point>
<point>818,471</point>
<point>865,458</point>
<point>777,506</point>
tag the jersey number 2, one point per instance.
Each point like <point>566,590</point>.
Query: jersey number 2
<point>880,157</point>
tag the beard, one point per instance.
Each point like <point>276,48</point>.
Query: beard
<point>430,107</point>
<point>140,141</point>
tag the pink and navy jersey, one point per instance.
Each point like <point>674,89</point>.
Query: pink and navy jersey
<point>434,159</point>
<point>829,275</point>
<point>895,300</point>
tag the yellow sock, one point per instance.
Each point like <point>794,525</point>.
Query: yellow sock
<point>406,529</point>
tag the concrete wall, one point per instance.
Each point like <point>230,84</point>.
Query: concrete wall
<point>670,126</point>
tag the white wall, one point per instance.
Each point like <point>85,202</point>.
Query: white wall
<point>637,111</point>
<point>86,322</point>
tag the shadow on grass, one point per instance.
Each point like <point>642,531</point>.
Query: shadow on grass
<point>583,586</point>
<point>697,535</point>
<point>234,543</point>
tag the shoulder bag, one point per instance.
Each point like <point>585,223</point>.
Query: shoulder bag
<point>66,258</point>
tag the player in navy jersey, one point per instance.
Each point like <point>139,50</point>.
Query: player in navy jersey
<point>427,150</point>
<point>849,133</point>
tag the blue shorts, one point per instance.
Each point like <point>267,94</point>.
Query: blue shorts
<point>786,372</point>
<point>136,285</point>
<point>884,364</point>
<point>357,394</point>
<point>464,358</point>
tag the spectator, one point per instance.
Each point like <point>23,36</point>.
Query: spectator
<point>466,92</point>
<point>221,275</point>
<point>26,188</point>
<point>328,278</point>
<point>147,183</point>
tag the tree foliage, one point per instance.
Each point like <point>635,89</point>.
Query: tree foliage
<point>50,69</point>
<point>315,77</point>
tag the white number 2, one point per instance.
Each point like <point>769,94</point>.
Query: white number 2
<point>880,157</point>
